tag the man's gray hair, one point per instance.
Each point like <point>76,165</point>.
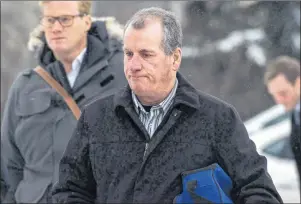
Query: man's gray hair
<point>172,31</point>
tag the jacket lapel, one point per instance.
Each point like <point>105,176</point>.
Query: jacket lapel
<point>161,131</point>
<point>87,74</point>
<point>95,60</point>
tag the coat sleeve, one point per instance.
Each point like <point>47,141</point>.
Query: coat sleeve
<point>12,162</point>
<point>76,182</point>
<point>237,154</point>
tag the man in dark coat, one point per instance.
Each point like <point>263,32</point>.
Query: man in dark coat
<point>157,128</point>
<point>86,58</point>
<point>282,79</point>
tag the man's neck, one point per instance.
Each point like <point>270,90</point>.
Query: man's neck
<point>157,98</point>
<point>67,58</point>
<point>151,101</point>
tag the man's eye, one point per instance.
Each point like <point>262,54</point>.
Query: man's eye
<point>50,20</point>
<point>145,55</point>
<point>64,19</point>
<point>129,54</point>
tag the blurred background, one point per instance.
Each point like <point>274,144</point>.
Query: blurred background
<point>225,50</point>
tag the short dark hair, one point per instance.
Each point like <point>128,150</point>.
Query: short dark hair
<point>288,66</point>
<point>172,31</point>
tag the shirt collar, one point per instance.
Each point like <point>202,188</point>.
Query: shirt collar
<point>78,60</point>
<point>164,104</point>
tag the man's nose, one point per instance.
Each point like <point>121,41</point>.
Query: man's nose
<point>135,64</point>
<point>56,27</point>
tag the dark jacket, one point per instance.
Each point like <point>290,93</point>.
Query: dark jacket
<point>37,124</point>
<point>106,160</point>
<point>296,146</point>
<point>3,187</point>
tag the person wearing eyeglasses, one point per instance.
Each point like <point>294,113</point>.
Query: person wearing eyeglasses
<point>85,57</point>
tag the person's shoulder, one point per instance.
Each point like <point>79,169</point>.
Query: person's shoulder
<point>213,100</point>
<point>27,72</point>
<point>114,28</point>
<point>22,78</point>
<point>216,105</point>
<point>104,101</point>
<point>25,79</point>
<point>28,76</point>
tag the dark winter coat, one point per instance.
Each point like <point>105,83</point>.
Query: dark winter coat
<point>296,146</point>
<point>107,161</point>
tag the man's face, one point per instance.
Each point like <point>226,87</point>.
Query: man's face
<point>284,92</point>
<point>148,70</point>
<point>65,40</point>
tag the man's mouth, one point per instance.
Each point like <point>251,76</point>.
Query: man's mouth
<point>59,38</point>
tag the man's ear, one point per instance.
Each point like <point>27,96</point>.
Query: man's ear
<point>177,58</point>
<point>88,22</point>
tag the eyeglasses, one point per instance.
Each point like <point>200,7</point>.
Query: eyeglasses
<point>65,20</point>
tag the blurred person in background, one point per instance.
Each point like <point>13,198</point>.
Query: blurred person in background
<point>159,132</point>
<point>85,57</point>
<point>282,78</point>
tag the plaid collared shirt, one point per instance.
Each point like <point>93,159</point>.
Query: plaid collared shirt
<point>152,119</point>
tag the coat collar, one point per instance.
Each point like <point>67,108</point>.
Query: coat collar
<point>186,95</point>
